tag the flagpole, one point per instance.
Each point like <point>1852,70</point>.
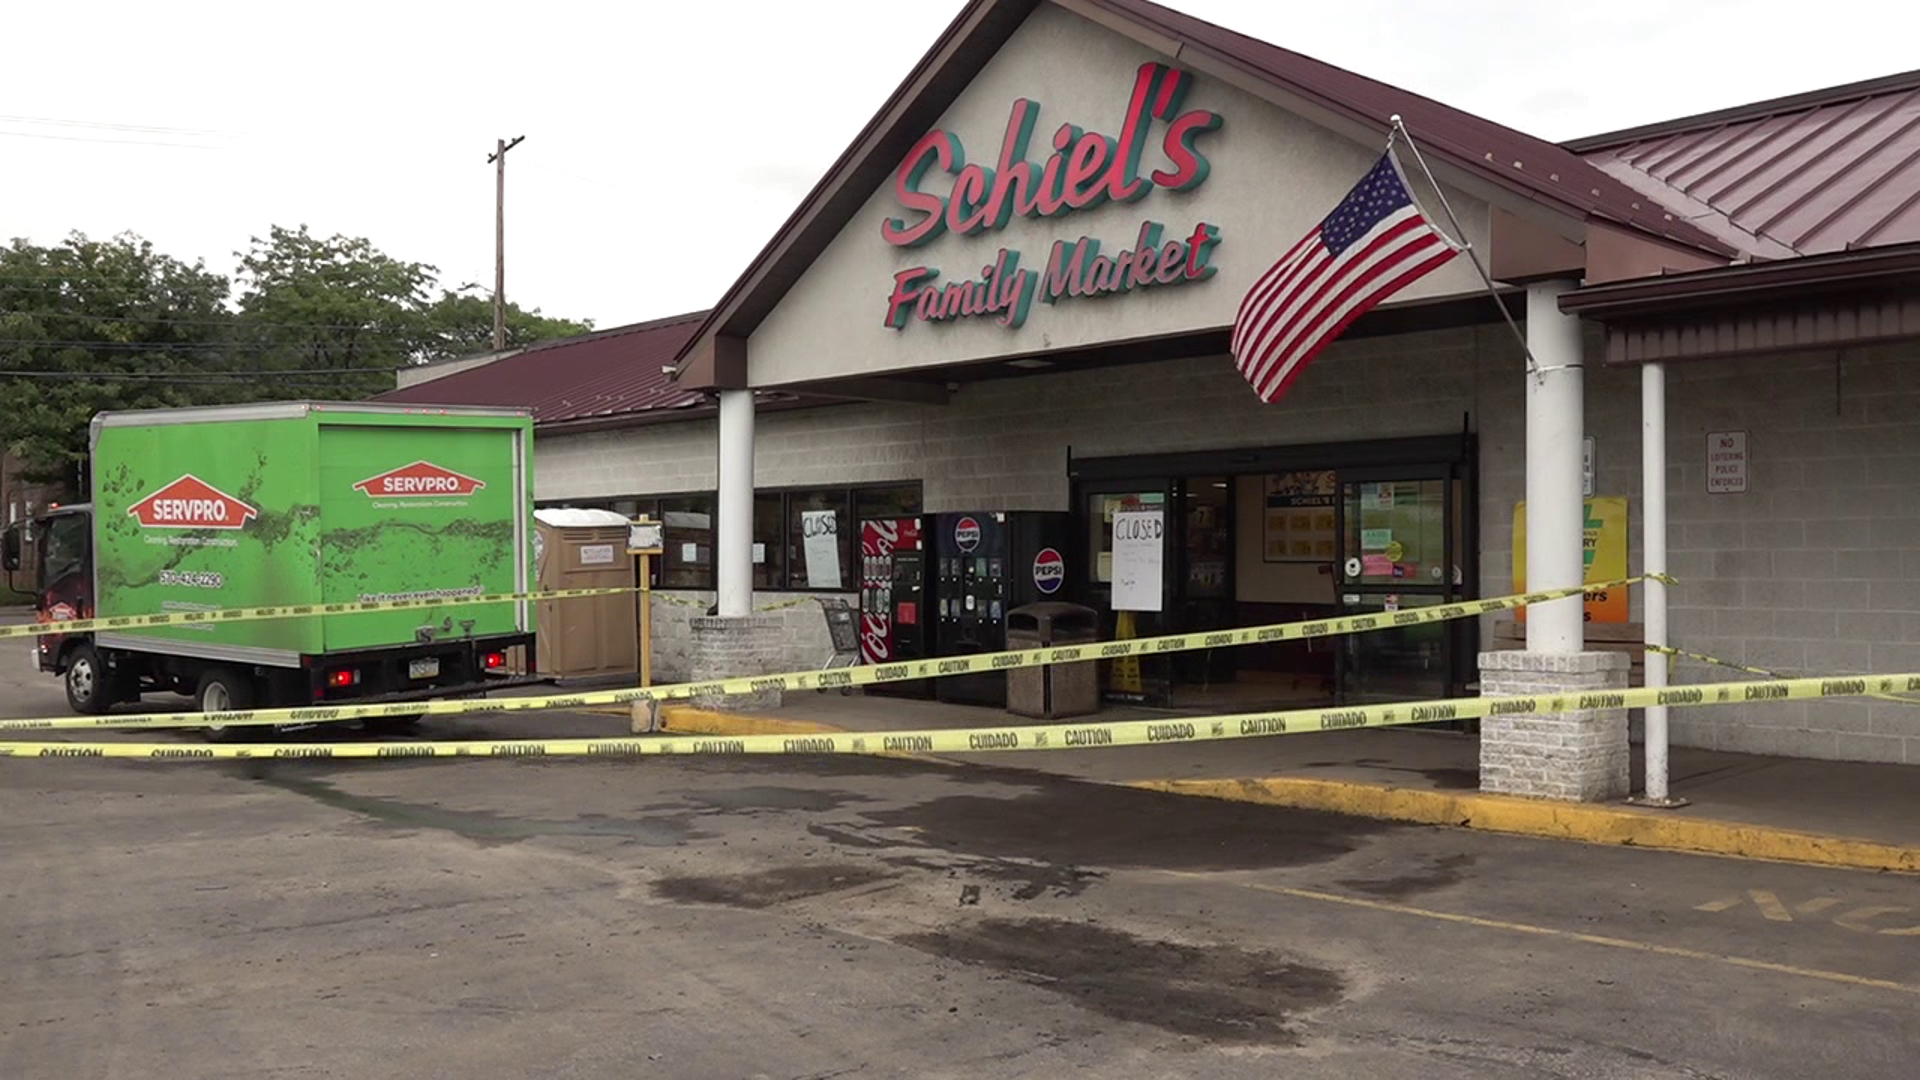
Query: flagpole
<point>1399,128</point>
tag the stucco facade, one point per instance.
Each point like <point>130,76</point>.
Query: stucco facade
<point>1272,176</point>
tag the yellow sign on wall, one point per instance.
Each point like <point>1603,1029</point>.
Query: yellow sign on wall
<point>1606,556</point>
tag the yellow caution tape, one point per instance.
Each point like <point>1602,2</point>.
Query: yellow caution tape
<point>439,598</point>
<point>835,678</point>
<point>1071,736</point>
<point>1769,673</point>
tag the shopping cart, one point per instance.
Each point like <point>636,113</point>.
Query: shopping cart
<point>843,629</point>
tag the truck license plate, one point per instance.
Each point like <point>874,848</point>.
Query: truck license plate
<point>424,669</point>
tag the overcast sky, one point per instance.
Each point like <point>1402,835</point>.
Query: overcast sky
<point>667,140</point>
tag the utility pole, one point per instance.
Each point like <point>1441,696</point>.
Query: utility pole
<point>498,159</point>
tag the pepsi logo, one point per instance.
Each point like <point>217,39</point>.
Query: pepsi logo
<point>1049,571</point>
<point>966,534</point>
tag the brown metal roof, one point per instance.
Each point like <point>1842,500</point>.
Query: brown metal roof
<point>1531,167</point>
<point>609,373</point>
<point>1827,171</point>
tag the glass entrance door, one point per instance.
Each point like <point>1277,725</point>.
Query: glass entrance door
<point>1401,546</point>
<point>1146,679</point>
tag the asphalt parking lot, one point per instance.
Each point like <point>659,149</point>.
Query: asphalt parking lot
<point>789,917</point>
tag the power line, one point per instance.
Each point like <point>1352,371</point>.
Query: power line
<point>236,321</point>
<point>110,142</point>
<point>308,382</point>
<point>197,378</point>
<point>115,127</point>
<point>173,346</point>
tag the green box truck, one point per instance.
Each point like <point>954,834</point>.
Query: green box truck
<point>201,509</point>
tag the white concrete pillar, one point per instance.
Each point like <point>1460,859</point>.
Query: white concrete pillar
<point>733,536</point>
<point>1556,425</point>
<point>1653,488</point>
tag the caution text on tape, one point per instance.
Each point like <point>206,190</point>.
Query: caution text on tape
<point>441,598</point>
<point>940,667</point>
<point>1076,736</point>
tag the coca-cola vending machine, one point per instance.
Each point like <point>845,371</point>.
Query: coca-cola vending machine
<point>893,611</point>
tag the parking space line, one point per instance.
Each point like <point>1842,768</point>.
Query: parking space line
<point>1628,944</point>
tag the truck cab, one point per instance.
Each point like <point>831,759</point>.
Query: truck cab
<point>51,557</point>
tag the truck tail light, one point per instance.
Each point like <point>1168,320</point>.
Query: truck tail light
<point>343,677</point>
<point>494,661</point>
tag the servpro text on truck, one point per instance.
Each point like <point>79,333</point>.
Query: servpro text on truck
<point>291,503</point>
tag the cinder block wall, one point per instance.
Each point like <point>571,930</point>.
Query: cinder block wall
<point>1816,570</point>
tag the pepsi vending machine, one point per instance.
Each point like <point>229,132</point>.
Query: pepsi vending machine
<point>986,564</point>
<point>893,602</point>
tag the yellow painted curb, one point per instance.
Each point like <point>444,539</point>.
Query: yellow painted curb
<point>1584,822</point>
<point>1589,823</point>
<point>686,720</point>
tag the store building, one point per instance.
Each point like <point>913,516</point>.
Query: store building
<point>1013,291</point>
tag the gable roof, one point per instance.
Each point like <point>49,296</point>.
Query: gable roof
<point>1816,173</point>
<point>594,376</point>
<point>1526,167</point>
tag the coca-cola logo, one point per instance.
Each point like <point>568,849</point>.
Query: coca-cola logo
<point>966,534</point>
<point>876,637</point>
<point>1049,571</point>
<point>879,538</point>
<point>191,503</point>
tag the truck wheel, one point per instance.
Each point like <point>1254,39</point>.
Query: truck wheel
<point>90,687</point>
<point>223,690</point>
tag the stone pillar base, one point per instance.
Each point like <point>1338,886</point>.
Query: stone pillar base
<point>729,648</point>
<point>1578,756</point>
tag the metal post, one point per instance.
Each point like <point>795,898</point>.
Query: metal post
<point>1653,488</point>
<point>646,620</point>
<point>733,539</point>
<point>1556,515</point>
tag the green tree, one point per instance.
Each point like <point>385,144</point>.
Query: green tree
<point>88,326</point>
<point>462,322</point>
<point>338,310</point>
<point>91,325</point>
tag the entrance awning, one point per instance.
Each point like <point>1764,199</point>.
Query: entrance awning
<point>1849,298</point>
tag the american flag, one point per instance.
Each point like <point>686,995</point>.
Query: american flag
<point>1375,243</point>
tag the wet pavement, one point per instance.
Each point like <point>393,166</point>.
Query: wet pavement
<point>829,917</point>
<point>859,917</point>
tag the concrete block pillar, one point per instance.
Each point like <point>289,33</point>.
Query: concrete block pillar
<point>1579,756</point>
<point>732,647</point>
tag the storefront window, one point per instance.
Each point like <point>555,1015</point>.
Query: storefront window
<point>769,551</point>
<point>819,554</point>
<point>886,502</point>
<point>687,562</point>
<point>801,539</point>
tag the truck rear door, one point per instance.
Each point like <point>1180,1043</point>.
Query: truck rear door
<point>421,513</point>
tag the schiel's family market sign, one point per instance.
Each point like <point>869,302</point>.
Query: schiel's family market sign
<point>1085,170</point>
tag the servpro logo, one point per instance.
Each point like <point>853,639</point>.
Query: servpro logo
<point>420,480</point>
<point>191,503</point>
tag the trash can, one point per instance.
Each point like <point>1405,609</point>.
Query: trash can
<point>1056,690</point>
